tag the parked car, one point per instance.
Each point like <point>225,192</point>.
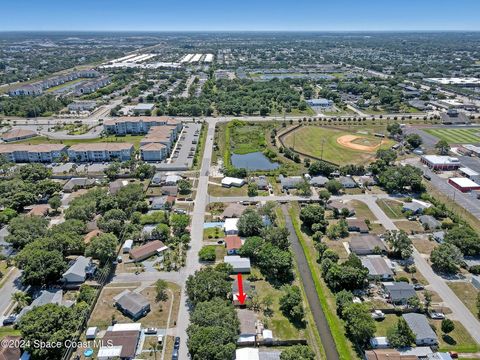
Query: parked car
<point>176,345</point>
<point>427,177</point>
<point>418,286</point>
<point>151,331</point>
<point>378,315</point>
<point>175,354</point>
<point>9,320</point>
<point>436,315</point>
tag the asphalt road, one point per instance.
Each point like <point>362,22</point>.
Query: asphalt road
<point>314,302</point>
<point>11,285</point>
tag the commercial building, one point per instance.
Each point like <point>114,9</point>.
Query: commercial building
<point>138,125</point>
<point>439,162</point>
<point>45,153</point>
<point>418,323</point>
<point>97,152</point>
<point>17,134</point>
<point>463,184</point>
<point>470,173</point>
<point>322,103</point>
<point>143,109</point>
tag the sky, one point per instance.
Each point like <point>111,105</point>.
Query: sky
<point>239,15</point>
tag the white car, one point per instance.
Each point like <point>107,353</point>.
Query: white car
<point>437,315</point>
<point>378,315</point>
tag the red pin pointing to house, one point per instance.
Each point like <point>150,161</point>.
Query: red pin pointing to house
<point>241,295</point>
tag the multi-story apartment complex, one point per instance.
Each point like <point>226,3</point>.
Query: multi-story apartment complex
<point>20,153</point>
<point>139,125</point>
<point>96,152</point>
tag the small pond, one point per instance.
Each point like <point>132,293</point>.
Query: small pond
<point>253,161</point>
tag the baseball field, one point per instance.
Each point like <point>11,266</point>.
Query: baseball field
<point>457,136</point>
<point>337,146</point>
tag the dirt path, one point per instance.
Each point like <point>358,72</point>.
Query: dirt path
<point>312,297</point>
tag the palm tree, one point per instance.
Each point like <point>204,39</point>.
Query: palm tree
<point>21,298</point>
<point>155,348</point>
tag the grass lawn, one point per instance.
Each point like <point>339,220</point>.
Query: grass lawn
<point>105,310</point>
<point>247,137</point>
<point>8,331</point>
<point>410,227</point>
<point>282,327</point>
<point>424,246</point>
<point>456,136</point>
<point>155,217</point>
<point>218,190</point>
<point>392,208</point>
<point>134,139</point>
<point>458,340</point>
<point>385,324</point>
<point>467,293</point>
<point>362,210</point>
<point>212,234</point>
<point>309,139</point>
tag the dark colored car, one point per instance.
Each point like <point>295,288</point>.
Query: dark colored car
<point>9,320</point>
<point>177,343</point>
<point>175,354</point>
<point>427,177</point>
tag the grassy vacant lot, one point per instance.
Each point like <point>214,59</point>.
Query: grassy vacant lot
<point>410,227</point>
<point>424,246</point>
<point>282,327</point>
<point>456,136</point>
<point>467,293</point>
<point>105,310</point>
<point>362,210</point>
<point>218,190</point>
<point>392,208</point>
<point>308,139</point>
<point>134,139</point>
<point>458,340</point>
<point>212,234</point>
<point>247,137</point>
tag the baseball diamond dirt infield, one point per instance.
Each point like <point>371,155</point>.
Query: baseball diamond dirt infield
<point>359,143</point>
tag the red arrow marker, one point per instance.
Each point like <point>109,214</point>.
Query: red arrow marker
<point>241,295</point>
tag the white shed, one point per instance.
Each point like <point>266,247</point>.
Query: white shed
<point>127,246</point>
<point>91,333</point>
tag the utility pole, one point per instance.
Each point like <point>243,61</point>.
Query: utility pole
<point>321,153</point>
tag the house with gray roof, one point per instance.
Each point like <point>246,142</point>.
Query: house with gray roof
<point>347,182</point>
<point>290,182</point>
<point>78,183</point>
<point>378,267</point>
<point>367,244</point>
<point>262,182</point>
<point>424,334</point>
<point>429,222</point>
<point>239,264</point>
<point>132,304</point>
<point>318,181</point>
<point>49,296</point>
<point>399,292</point>
<point>80,269</point>
<point>416,206</point>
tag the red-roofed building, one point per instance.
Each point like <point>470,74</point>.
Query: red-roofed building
<point>233,243</point>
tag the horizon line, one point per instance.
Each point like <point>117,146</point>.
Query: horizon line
<point>245,31</point>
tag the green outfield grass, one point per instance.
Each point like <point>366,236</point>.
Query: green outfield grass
<point>457,136</point>
<point>308,140</point>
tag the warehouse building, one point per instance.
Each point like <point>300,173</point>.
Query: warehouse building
<point>438,162</point>
<point>463,184</point>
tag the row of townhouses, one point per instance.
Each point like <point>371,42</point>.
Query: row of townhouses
<point>38,87</point>
<point>48,153</point>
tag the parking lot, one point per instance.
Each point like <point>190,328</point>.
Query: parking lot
<point>184,152</point>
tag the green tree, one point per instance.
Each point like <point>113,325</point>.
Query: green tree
<point>103,247</point>
<point>442,147</point>
<point>343,299</point>
<point>184,187</point>
<point>252,189</point>
<point>24,229</point>
<point>414,140</point>
<point>297,352</point>
<point>250,223</point>
<point>112,170</point>
<point>277,236</point>
<point>161,287</point>
<point>40,266</point>
<point>144,171</point>
<point>400,244</point>
<point>55,202</point>
<point>447,326</point>
<point>179,223</point>
<point>400,335</point>
<point>312,214</point>
<point>161,232</point>
<point>49,323</point>
<point>112,221</point>
<point>291,304</point>
<point>333,186</point>
<point>34,172</point>
<point>359,323</point>
<point>207,253</point>
<point>207,284</point>
<point>446,258</point>
<point>464,238</point>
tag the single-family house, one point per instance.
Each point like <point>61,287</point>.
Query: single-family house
<point>367,245</point>
<point>379,268</point>
<point>80,270</point>
<point>339,206</point>
<point>233,243</point>
<point>429,222</point>
<point>239,264</point>
<point>172,179</point>
<point>357,225</point>
<point>347,182</point>
<point>149,249</point>
<point>48,296</point>
<point>233,210</point>
<point>424,334</point>
<point>132,304</point>
<point>318,181</point>
<point>162,202</point>
<point>120,342</point>
<point>171,190</point>
<point>230,226</point>
<point>416,206</point>
<point>290,182</point>
<point>78,183</point>
<point>399,292</point>
<point>231,181</point>
<point>262,182</point>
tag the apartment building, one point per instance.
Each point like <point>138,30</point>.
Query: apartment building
<point>98,152</point>
<point>153,152</point>
<point>45,153</point>
<point>139,125</point>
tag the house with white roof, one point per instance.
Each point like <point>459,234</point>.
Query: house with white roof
<point>230,226</point>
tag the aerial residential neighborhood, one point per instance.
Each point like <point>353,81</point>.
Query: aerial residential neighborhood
<point>293,194</point>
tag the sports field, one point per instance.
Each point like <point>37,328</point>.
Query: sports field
<point>457,136</point>
<point>339,146</point>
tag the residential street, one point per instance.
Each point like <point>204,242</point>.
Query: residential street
<point>459,311</point>
<point>11,285</point>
